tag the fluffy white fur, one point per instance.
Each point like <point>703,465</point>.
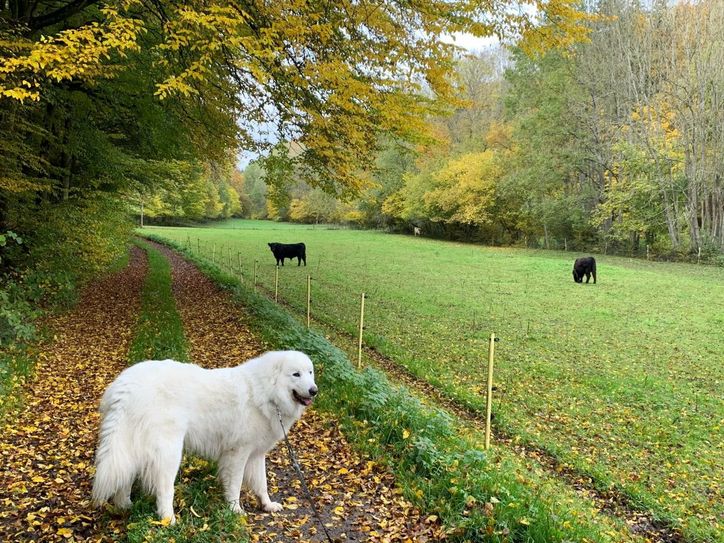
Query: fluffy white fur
<point>155,410</point>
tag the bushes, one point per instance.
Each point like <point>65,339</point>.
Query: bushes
<point>51,249</point>
<point>16,316</point>
<point>71,241</point>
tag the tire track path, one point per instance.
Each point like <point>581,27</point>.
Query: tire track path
<point>356,497</point>
<point>47,446</point>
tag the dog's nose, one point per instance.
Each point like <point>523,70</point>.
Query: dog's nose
<point>313,391</point>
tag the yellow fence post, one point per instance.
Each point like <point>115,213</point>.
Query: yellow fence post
<point>361,329</point>
<point>489,399</point>
<point>309,299</point>
<point>276,283</point>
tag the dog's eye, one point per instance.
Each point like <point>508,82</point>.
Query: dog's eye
<point>297,374</point>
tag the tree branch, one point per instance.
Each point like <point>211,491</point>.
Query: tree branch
<point>60,14</point>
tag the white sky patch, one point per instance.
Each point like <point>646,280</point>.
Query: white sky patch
<point>243,159</point>
<point>470,42</point>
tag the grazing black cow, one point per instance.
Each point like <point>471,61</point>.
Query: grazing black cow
<point>290,251</point>
<point>584,266</point>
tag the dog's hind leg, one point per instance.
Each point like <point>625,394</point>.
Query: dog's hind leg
<point>162,475</point>
<point>122,497</point>
<point>255,479</point>
<point>231,473</point>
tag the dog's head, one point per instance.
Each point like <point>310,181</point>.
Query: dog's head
<point>295,384</point>
<point>576,277</point>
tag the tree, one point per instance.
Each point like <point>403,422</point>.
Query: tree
<point>463,190</point>
<point>327,75</point>
<point>255,189</point>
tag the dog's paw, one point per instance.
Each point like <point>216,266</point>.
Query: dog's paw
<point>273,507</point>
<point>122,503</point>
<point>236,507</point>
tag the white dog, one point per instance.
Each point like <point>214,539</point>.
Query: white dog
<point>154,410</point>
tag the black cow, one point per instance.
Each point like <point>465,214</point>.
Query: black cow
<point>584,266</point>
<point>290,251</point>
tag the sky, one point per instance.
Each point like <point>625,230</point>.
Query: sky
<point>467,41</point>
<point>472,43</point>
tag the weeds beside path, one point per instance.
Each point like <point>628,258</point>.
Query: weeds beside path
<point>356,497</point>
<point>47,447</point>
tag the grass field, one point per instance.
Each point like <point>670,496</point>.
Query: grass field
<point>621,381</point>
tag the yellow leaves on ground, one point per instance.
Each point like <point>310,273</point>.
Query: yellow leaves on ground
<point>46,448</point>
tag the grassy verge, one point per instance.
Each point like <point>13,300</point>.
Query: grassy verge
<point>479,496</point>
<point>202,514</point>
<point>159,333</point>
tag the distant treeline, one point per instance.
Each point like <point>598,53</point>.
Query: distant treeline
<point>616,146</point>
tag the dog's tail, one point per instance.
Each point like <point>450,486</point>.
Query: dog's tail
<point>115,463</point>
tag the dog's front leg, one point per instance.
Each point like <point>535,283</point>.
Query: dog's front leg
<point>255,479</point>
<point>231,472</point>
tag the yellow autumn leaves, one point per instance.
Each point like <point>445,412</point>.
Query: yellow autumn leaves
<point>74,54</point>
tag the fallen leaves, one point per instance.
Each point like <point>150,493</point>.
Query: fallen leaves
<point>46,450</point>
<point>47,447</point>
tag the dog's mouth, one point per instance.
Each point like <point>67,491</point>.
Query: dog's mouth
<point>304,400</point>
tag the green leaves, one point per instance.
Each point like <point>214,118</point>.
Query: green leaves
<point>9,236</point>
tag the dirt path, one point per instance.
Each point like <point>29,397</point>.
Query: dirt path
<point>356,497</point>
<point>47,448</point>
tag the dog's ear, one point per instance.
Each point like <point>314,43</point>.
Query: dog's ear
<point>277,364</point>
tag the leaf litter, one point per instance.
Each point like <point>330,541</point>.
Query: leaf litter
<point>47,446</point>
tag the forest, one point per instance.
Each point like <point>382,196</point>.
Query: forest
<point>614,146</point>
<point>595,126</point>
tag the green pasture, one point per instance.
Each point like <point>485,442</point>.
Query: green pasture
<point>622,380</point>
